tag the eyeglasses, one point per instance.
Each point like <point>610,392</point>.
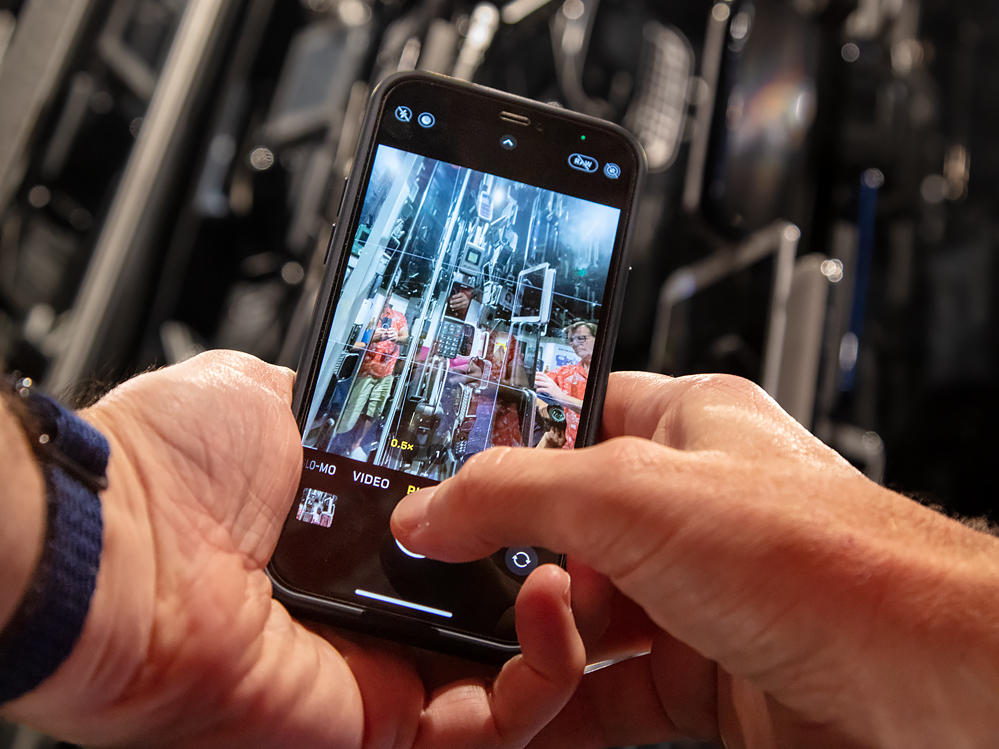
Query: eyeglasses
<point>579,338</point>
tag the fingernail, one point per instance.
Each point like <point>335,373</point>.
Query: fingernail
<point>567,593</point>
<point>411,513</point>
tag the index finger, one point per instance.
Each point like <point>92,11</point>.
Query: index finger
<point>559,499</point>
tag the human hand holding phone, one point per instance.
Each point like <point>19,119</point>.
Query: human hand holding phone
<point>183,644</point>
<point>458,302</point>
<point>783,599</point>
<point>545,386</point>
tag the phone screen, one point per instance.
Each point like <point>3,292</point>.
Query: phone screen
<point>466,315</point>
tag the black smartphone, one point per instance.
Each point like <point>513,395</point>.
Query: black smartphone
<point>489,232</point>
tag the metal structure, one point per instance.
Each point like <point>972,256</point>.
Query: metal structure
<point>781,241</point>
<point>38,56</point>
<point>109,287</point>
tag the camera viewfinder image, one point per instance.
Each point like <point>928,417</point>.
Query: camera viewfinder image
<point>467,318</point>
<point>316,507</point>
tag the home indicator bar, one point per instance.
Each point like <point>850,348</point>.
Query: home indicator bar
<point>400,602</point>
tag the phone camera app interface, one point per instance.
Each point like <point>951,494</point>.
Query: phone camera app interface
<point>467,319</point>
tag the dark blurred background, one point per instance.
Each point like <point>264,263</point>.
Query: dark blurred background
<point>820,213</point>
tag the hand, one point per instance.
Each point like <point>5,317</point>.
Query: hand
<point>787,600</point>
<point>385,334</point>
<point>545,385</point>
<point>183,645</point>
<point>474,368</point>
<point>551,439</point>
<point>458,301</point>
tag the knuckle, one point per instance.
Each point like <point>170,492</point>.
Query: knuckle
<point>617,526</point>
<point>484,463</point>
<point>465,486</point>
<point>630,454</point>
<point>236,361</point>
<point>701,402</point>
<point>250,374</point>
<point>223,358</point>
<point>709,391</point>
<point>637,464</point>
<point>727,386</point>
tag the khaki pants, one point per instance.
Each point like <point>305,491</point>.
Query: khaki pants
<point>367,396</point>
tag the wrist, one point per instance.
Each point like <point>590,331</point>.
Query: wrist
<point>22,502</point>
<point>929,626</point>
<point>115,634</point>
<point>71,456</point>
<point>569,402</point>
<point>956,619</point>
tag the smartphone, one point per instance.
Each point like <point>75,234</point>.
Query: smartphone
<point>489,232</point>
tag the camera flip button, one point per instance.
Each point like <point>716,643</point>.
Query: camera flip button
<point>521,560</point>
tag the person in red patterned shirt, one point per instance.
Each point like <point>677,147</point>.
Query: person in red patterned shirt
<point>567,384</point>
<point>373,383</point>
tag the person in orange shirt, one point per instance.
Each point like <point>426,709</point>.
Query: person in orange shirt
<point>373,383</point>
<point>567,384</point>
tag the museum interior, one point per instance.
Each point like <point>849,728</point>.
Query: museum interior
<point>819,213</point>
